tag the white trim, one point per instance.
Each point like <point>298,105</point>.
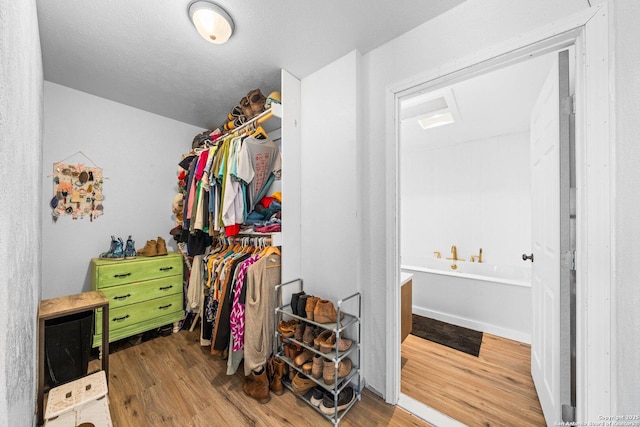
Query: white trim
<point>427,413</point>
<point>595,202</point>
<point>392,391</point>
<point>476,325</point>
<point>588,30</point>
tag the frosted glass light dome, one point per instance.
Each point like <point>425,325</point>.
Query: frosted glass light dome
<point>212,22</point>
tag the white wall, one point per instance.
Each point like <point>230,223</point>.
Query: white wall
<point>20,239</point>
<point>462,31</point>
<point>329,181</point>
<point>473,195</point>
<point>626,342</point>
<point>139,153</point>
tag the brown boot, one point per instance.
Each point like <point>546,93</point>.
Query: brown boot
<point>276,367</point>
<point>161,246</point>
<point>150,249</point>
<point>310,306</point>
<point>258,387</point>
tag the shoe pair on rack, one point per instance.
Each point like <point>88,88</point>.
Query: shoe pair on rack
<point>324,400</point>
<point>154,248</point>
<point>119,250</point>
<point>314,308</point>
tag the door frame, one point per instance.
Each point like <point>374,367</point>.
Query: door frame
<point>588,31</point>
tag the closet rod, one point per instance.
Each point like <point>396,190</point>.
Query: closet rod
<point>259,119</point>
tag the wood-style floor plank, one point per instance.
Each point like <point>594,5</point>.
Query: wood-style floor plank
<point>172,381</point>
<point>493,389</point>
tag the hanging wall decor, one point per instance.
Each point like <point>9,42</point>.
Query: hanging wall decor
<point>77,190</point>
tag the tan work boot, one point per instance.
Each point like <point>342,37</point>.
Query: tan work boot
<point>161,246</point>
<point>276,366</point>
<point>258,388</point>
<point>150,249</point>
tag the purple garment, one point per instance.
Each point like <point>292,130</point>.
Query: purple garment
<point>236,319</point>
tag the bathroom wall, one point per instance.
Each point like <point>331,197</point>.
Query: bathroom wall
<point>473,195</point>
<point>20,241</point>
<point>139,153</point>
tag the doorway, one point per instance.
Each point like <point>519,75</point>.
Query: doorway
<point>465,184</point>
<point>588,32</point>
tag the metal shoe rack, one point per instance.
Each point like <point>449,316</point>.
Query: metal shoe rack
<point>350,323</point>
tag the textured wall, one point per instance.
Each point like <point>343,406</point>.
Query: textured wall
<point>626,354</point>
<point>20,147</point>
<point>139,153</point>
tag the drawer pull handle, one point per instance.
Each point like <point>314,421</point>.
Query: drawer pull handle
<point>122,296</point>
<point>166,268</point>
<point>164,307</point>
<point>117,319</point>
<point>164,288</point>
<point>120,276</point>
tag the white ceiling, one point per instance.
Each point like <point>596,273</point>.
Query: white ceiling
<point>147,54</point>
<point>492,104</point>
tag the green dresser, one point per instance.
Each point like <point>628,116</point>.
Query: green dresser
<point>144,293</point>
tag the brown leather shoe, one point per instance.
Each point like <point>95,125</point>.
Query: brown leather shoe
<point>287,327</point>
<point>329,370</point>
<point>162,246</point>
<point>302,383</point>
<point>325,312</point>
<point>150,249</point>
<point>308,337</point>
<point>310,306</point>
<point>303,357</point>
<point>321,338</point>
<point>329,344</point>
<point>258,388</point>
<point>317,366</point>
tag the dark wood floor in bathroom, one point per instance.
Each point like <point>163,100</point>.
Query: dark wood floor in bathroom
<point>172,381</point>
<point>493,389</point>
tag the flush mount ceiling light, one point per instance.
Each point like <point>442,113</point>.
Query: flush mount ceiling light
<point>212,22</point>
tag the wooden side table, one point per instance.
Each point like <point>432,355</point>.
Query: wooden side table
<point>64,306</point>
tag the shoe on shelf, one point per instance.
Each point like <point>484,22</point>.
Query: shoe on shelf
<point>298,334</point>
<point>287,328</point>
<point>325,312</point>
<point>321,338</point>
<point>317,367</point>
<point>294,302</point>
<point>302,303</point>
<point>346,396</point>
<point>150,249</point>
<point>302,383</point>
<point>115,252</point>
<point>329,370</point>
<point>130,249</point>
<point>310,305</point>
<point>307,336</point>
<point>329,344</point>
<point>302,358</point>
<point>317,396</point>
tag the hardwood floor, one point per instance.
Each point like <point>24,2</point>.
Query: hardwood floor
<point>493,389</point>
<point>172,381</point>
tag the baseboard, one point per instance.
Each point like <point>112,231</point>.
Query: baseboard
<point>474,324</point>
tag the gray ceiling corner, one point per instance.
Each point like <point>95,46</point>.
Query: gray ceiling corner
<point>147,54</point>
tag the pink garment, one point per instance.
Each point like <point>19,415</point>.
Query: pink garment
<point>202,162</point>
<point>236,318</point>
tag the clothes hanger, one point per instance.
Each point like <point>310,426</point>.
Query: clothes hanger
<point>260,133</point>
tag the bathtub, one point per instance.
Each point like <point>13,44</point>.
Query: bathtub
<point>480,296</point>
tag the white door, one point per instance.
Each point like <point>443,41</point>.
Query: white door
<point>550,344</point>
